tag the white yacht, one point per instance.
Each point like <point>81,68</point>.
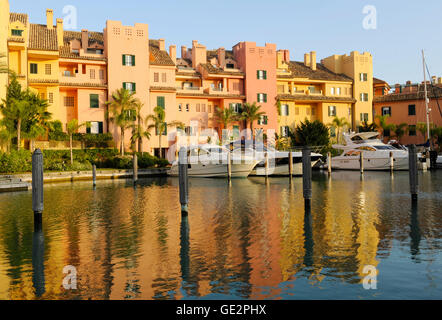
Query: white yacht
<point>376,153</point>
<point>210,161</point>
<point>278,160</point>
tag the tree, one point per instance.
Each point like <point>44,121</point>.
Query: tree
<point>311,134</point>
<point>9,123</point>
<point>72,127</point>
<point>436,133</point>
<point>123,111</point>
<point>339,123</point>
<point>160,124</point>
<point>138,132</point>
<point>383,125</point>
<point>400,130</point>
<point>250,114</point>
<point>37,123</point>
<point>367,127</point>
<point>225,116</point>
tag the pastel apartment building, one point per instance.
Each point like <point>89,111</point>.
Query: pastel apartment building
<point>78,71</point>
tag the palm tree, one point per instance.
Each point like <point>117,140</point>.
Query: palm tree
<point>225,116</point>
<point>37,123</point>
<point>251,113</point>
<point>138,132</point>
<point>123,109</point>
<point>400,130</point>
<point>367,127</point>
<point>72,127</point>
<point>384,125</point>
<point>339,123</point>
<point>160,124</point>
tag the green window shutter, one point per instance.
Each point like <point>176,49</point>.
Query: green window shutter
<point>161,102</point>
<point>265,97</point>
<point>257,74</point>
<point>266,119</point>
<point>134,86</point>
<point>88,127</point>
<point>100,127</point>
<point>124,85</point>
<point>124,59</point>
<point>93,98</point>
<point>133,61</point>
<point>265,75</point>
<point>257,99</point>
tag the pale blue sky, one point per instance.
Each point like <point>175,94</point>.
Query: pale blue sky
<point>328,27</point>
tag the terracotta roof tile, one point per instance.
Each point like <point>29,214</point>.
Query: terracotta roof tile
<point>419,94</point>
<point>304,97</point>
<point>157,56</point>
<point>214,70</point>
<point>42,38</point>
<point>94,37</point>
<point>299,70</point>
<point>65,52</point>
<point>22,17</point>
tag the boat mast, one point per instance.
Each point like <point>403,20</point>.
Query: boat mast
<point>426,96</point>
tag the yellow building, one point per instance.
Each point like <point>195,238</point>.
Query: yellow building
<point>308,90</point>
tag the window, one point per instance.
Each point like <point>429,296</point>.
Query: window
<point>284,110</point>
<point>187,107</point>
<point>203,107</point>
<point>263,120</point>
<point>161,102</point>
<point>363,77</point>
<point>93,101</point>
<point>364,117</point>
<point>412,110</point>
<point>156,77</point>
<point>332,91</point>
<point>285,131</point>
<point>230,66</point>
<point>364,97</point>
<point>209,108</point>
<point>34,68</point>
<point>262,75</point>
<point>332,132</point>
<point>386,111</point>
<point>180,107</point>
<point>47,69</point>
<point>332,111</point>
<point>198,107</point>
<point>262,97</point>
<point>130,86</point>
<point>236,107</point>
<point>51,97</point>
<point>412,130</point>
<point>101,74</point>
<point>95,127</point>
<point>338,91</point>
<point>386,132</point>
<point>16,32</point>
<point>128,60</point>
<point>69,101</point>
<point>92,73</point>
<point>164,77</point>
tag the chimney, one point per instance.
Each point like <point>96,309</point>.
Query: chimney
<point>60,36</point>
<point>199,54</point>
<point>307,60</point>
<point>313,60</point>
<point>439,80</point>
<point>434,78</point>
<point>84,39</point>
<point>287,56</point>
<point>183,52</point>
<point>397,88</point>
<point>162,44</point>
<point>172,53</point>
<point>221,57</point>
<point>50,19</point>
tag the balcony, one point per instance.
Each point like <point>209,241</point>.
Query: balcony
<point>193,90</point>
<point>80,79</point>
<point>314,92</point>
<point>216,91</point>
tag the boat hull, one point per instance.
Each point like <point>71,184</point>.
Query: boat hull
<point>375,164</point>
<point>280,170</point>
<point>200,170</point>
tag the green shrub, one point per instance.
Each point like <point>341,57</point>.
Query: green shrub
<point>161,163</point>
<point>16,161</point>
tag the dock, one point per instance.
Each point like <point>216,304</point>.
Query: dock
<point>13,183</point>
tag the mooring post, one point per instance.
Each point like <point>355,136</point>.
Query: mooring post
<point>94,175</point>
<point>290,165</point>
<point>412,163</point>
<point>329,163</point>
<point>266,164</point>
<point>135,164</point>
<point>391,162</point>
<point>37,188</point>
<point>361,162</point>
<point>307,175</point>
<point>229,165</point>
<point>183,180</point>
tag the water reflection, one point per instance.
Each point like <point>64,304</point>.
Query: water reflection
<point>250,238</point>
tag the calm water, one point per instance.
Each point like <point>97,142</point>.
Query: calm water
<point>252,240</point>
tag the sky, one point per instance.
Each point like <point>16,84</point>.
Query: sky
<point>402,28</point>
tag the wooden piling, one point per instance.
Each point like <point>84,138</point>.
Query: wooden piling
<point>135,165</point>
<point>361,162</point>
<point>229,165</point>
<point>94,175</point>
<point>391,162</point>
<point>37,187</point>
<point>183,180</point>
<point>412,163</point>
<point>307,175</point>
<point>290,165</point>
<point>329,163</point>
